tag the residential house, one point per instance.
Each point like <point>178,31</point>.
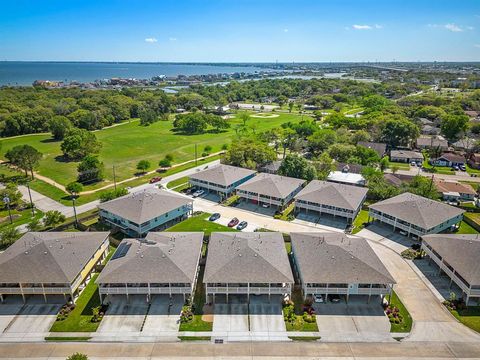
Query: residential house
<point>465,144</point>
<point>144,211</point>
<point>345,177</point>
<point>448,159</point>
<point>429,142</point>
<point>51,263</point>
<point>406,156</point>
<point>415,215</point>
<point>336,263</point>
<point>349,168</point>
<point>430,130</point>
<point>455,191</point>
<point>457,257</point>
<point>270,189</point>
<point>271,167</point>
<point>397,179</point>
<point>380,148</point>
<point>221,179</point>
<point>474,161</point>
<point>241,263</point>
<point>323,197</point>
<point>164,263</point>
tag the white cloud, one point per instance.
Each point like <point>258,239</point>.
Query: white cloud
<point>172,39</point>
<point>378,26</point>
<point>285,30</point>
<point>361,27</point>
<point>151,40</point>
<point>453,27</point>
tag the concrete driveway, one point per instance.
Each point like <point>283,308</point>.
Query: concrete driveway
<point>163,315</point>
<point>124,317</point>
<point>356,321</point>
<point>225,220</point>
<point>230,321</point>
<point>31,320</point>
<point>323,220</point>
<point>266,318</point>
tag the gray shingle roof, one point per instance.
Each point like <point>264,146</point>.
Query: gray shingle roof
<point>224,175</point>
<point>333,194</point>
<point>162,257</point>
<point>145,205</point>
<point>332,257</point>
<point>406,154</point>
<point>462,252</point>
<point>258,257</point>
<point>417,210</point>
<point>49,257</point>
<point>272,185</point>
<point>379,148</point>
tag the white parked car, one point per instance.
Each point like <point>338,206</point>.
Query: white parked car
<point>265,205</point>
<point>198,193</point>
<point>318,298</point>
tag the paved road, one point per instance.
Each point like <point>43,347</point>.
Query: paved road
<point>457,176</point>
<point>244,351</point>
<point>432,321</point>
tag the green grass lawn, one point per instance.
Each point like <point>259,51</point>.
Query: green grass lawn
<point>400,165</point>
<point>300,325</point>
<point>177,182</point>
<point>19,217</point>
<point>361,218</point>
<point>472,170</point>
<point>469,317</point>
<point>200,223</point>
<point>123,146</point>
<point>79,319</point>
<point>466,229</point>
<point>406,325</point>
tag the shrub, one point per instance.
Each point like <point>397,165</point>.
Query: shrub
<point>187,314</point>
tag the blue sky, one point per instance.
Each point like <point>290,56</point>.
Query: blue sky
<point>240,30</point>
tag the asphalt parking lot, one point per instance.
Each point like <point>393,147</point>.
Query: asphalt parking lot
<point>323,220</point>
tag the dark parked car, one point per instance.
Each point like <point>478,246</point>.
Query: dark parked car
<point>242,225</point>
<point>155,179</point>
<point>214,217</point>
<point>233,222</point>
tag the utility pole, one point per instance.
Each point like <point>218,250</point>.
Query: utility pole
<point>74,210</point>
<point>114,178</point>
<point>196,161</point>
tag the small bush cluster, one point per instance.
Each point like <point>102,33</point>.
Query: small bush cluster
<point>65,311</point>
<point>98,313</point>
<point>289,311</point>
<point>411,254</point>
<point>186,315</point>
<point>393,314</point>
<point>454,304</point>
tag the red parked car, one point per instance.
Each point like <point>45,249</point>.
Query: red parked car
<point>155,179</point>
<point>233,222</point>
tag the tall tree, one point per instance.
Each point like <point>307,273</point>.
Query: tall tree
<point>26,157</point>
<point>90,169</point>
<point>79,143</point>
<point>298,167</point>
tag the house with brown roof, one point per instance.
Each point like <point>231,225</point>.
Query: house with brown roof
<point>161,263</point>
<point>415,215</point>
<point>324,197</point>
<point>336,263</point>
<point>456,255</point>
<point>247,263</point>
<point>144,211</point>
<point>449,159</point>
<point>380,148</point>
<point>455,191</point>
<point>270,189</point>
<point>428,142</point>
<point>51,263</point>
<point>474,161</point>
<point>406,156</point>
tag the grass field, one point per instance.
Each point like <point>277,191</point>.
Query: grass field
<point>406,324</point>
<point>361,218</point>
<point>469,317</point>
<point>124,145</point>
<point>199,223</point>
<point>466,229</point>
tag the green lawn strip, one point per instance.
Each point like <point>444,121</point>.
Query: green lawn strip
<point>466,229</point>
<point>472,170</point>
<point>400,165</point>
<point>469,317</point>
<point>197,324</point>
<point>123,146</point>
<point>195,338</point>
<point>177,182</point>
<point>79,320</point>
<point>358,223</point>
<point>301,325</point>
<point>406,325</point>
<point>286,214</point>
<point>19,217</point>
<point>67,338</point>
<point>200,223</point>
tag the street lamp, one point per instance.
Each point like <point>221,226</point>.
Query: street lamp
<point>6,200</point>
<point>30,196</point>
<point>74,195</point>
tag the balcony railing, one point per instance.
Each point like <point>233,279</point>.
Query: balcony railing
<point>344,291</point>
<point>35,290</point>
<point>325,210</point>
<point>246,290</point>
<point>144,290</point>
